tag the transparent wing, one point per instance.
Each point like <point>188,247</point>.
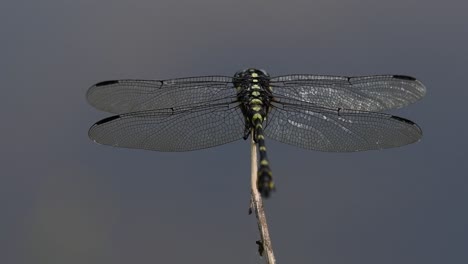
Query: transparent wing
<point>125,96</point>
<point>168,130</point>
<point>367,93</point>
<point>324,129</point>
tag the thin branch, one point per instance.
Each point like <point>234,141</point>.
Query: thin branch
<point>265,248</point>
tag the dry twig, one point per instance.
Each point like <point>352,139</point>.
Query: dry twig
<point>256,203</point>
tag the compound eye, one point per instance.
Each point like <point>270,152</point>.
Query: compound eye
<point>264,72</point>
<point>241,72</point>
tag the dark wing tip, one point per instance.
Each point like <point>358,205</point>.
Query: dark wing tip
<point>404,77</point>
<point>95,88</point>
<point>105,83</point>
<point>91,131</point>
<point>403,120</point>
<point>106,120</point>
<point>409,122</point>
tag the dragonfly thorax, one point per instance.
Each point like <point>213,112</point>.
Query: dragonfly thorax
<point>253,93</point>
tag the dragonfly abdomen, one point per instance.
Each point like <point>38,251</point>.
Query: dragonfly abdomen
<point>265,182</point>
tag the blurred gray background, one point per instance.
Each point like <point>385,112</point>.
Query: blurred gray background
<point>64,199</point>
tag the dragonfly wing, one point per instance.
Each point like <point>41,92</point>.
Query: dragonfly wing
<point>341,130</point>
<point>125,96</point>
<point>171,130</point>
<point>367,93</point>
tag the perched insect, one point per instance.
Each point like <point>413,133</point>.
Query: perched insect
<point>325,113</point>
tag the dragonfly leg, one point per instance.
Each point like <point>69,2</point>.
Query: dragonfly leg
<point>246,133</point>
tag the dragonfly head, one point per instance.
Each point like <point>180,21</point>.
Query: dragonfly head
<point>249,74</point>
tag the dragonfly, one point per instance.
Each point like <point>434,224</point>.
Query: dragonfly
<point>315,112</point>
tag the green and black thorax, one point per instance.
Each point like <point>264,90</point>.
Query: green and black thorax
<point>254,94</point>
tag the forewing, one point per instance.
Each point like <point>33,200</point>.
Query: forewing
<point>125,96</point>
<point>339,131</point>
<point>366,93</point>
<point>167,130</point>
